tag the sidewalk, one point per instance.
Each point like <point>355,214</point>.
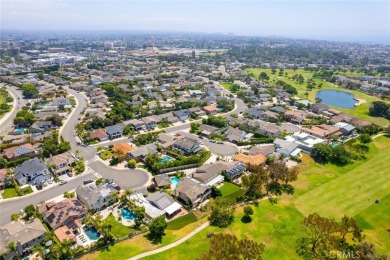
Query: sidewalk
<point>180,241</point>
<point>14,107</point>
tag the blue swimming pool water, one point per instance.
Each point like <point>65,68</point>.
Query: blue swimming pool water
<point>92,233</point>
<point>19,130</point>
<point>337,98</point>
<point>165,159</point>
<point>344,138</point>
<point>335,144</point>
<point>127,214</point>
<point>174,180</point>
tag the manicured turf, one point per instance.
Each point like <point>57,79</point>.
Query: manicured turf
<point>227,86</point>
<point>140,244</point>
<point>360,111</point>
<point>182,221</point>
<point>277,226</point>
<point>118,230</point>
<point>27,190</point>
<point>354,191</point>
<point>105,155</point>
<point>228,188</point>
<point>9,193</point>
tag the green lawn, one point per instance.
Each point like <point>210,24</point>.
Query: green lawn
<point>182,221</point>
<point>228,188</point>
<point>105,155</point>
<point>360,111</point>
<point>227,86</point>
<point>9,193</point>
<point>352,192</point>
<point>27,190</point>
<point>118,230</point>
<point>278,226</point>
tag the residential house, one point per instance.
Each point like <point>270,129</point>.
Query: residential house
<point>270,116</point>
<point>125,148</point>
<point>196,111</point>
<point>60,101</point>
<point>210,110</point>
<point>162,181</point>
<point>234,135</point>
<point>207,130</point>
<point>294,116</point>
<point>136,124</point>
<point>257,159</point>
<point>164,202</point>
<point>254,112</point>
<point>322,131</point>
<point>151,121</point>
<point>186,145</point>
<point>61,162</point>
<point>182,114</point>
<point>115,131</point>
<point>264,149</point>
<point>269,129</point>
<point>95,197</point>
<point>32,172</point>
<point>305,141</point>
<point>319,108</point>
<point>234,170</point>
<point>170,117</point>
<point>196,93</point>
<point>287,148</point>
<point>191,191</point>
<point>151,211</point>
<point>64,217</point>
<point>25,234</point>
<point>141,152</point>
<point>98,134</point>
<point>358,123</point>
<point>210,174</point>
<point>24,150</point>
<point>40,126</point>
<point>3,178</point>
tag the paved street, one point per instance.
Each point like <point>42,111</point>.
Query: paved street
<point>11,206</point>
<point>7,121</point>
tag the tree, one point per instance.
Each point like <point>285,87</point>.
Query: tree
<point>254,183</point>
<point>56,120</point>
<point>30,211</point>
<point>263,76</point>
<point>222,212</point>
<point>321,152</point>
<point>132,163</point>
<point>40,75</point>
<point>226,246</point>
<point>365,138</point>
<point>139,213</point>
<point>30,91</point>
<point>157,227</point>
<point>291,174</point>
<point>79,166</point>
<point>194,128</point>
<point>367,250</point>
<point>379,108</point>
<point>248,212</point>
<point>24,118</point>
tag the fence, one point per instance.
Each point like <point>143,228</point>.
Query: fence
<point>178,168</point>
<point>92,250</point>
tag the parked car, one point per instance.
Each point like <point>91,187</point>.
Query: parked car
<point>63,182</point>
<point>200,137</point>
<point>219,142</point>
<point>50,181</point>
<point>88,181</point>
<point>69,174</point>
<point>212,141</point>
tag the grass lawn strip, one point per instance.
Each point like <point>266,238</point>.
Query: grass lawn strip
<point>182,221</point>
<point>352,192</point>
<point>228,188</point>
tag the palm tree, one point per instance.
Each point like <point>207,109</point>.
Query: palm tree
<point>114,196</point>
<point>89,221</point>
<point>63,250</point>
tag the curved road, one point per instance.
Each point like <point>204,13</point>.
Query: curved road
<point>7,121</point>
<point>124,178</point>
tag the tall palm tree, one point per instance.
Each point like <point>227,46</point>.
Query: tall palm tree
<point>38,248</point>
<point>63,250</point>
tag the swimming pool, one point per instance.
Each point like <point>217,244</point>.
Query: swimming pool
<point>335,144</point>
<point>92,233</point>
<point>174,180</point>
<point>127,214</point>
<point>19,130</point>
<point>165,159</point>
<point>344,138</point>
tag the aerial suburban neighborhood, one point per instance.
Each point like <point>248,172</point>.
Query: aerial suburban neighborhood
<point>204,146</point>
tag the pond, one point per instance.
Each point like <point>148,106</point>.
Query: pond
<point>337,98</point>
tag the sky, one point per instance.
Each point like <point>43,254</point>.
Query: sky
<point>348,20</point>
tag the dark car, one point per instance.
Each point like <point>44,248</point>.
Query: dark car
<point>88,181</point>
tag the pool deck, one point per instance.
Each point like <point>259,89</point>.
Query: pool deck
<point>116,213</point>
<point>82,239</point>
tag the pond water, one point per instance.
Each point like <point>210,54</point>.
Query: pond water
<point>337,98</point>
